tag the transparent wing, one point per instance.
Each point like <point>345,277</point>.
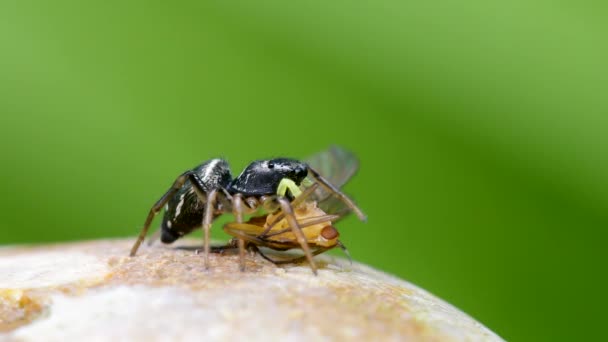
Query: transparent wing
<point>337,165</point>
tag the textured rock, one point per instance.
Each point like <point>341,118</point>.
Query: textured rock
<point>93,290</point>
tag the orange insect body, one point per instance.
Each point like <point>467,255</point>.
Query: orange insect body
<point>319,234</point>
<point>263,231</point>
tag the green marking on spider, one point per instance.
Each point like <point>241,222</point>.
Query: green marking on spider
<point>288,184</point>
<point>307,182</point>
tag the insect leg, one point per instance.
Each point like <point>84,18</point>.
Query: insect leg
<point>298,259</point>
<point>331,188</point>
<point>257,250</point>
<point>297,231</point>
<point>251,239</point>
<point>207,220</point>
<point>179,182</point>
<point>345,250</point>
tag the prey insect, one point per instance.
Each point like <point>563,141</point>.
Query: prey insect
<point>273,231</point>
<point>199,195</point>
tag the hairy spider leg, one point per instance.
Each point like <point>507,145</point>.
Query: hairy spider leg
<point>238,208</point>
<point>336,192</point>
<point>248,232</point>
<point>207,221</point>
<point>297,231</point>
<point>299,199</point>
<point>156,208</point>
<point>288,184</point>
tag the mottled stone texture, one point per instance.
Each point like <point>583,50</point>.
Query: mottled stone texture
<point>93,291</point>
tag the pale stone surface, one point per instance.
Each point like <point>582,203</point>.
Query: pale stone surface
<point>93,291</point>
<point>40,269</point>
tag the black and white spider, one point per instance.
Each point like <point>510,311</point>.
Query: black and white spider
<point>200,195</point>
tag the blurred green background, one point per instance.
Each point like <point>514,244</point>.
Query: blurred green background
<point>480,126</point>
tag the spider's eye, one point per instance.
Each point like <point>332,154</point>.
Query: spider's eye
<point>270,165</point>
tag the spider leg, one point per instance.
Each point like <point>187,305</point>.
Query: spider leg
<point>336,192</point>
<point>305,194</point>
<point>207,221</point>
<point>177,184</point>
<point>238,207</point>
<point>199,189</point>
<point>297,231</point>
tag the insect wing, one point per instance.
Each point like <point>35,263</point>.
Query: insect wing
<point>338,166</point>
<point>335,164</point>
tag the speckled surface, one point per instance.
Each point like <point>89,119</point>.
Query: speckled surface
<point>93,290</point>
